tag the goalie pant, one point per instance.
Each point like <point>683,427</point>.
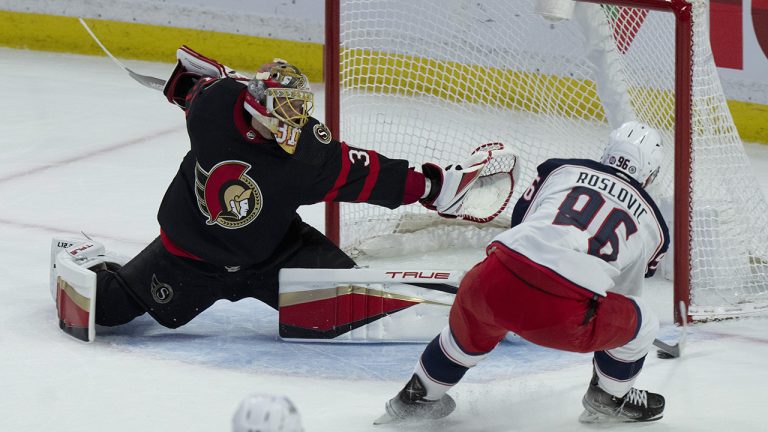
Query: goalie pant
<point>509,292</point>
<point>175,289</point>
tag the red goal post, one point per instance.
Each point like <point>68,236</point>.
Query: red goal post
<point>648,59</point>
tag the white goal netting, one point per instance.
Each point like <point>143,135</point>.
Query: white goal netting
<point>430,80</point>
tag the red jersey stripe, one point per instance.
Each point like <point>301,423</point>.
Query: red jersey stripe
<point>175,250</point>
<point>371,179</point>
<point>343,174</point>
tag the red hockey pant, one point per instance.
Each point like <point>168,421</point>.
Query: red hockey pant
<point>509,292</point>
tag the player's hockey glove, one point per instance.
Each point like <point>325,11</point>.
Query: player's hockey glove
<point>478,189</point>
<point>190,67</point>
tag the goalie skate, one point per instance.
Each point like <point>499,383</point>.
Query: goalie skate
<point>635,406</point>
<point>410,405</point>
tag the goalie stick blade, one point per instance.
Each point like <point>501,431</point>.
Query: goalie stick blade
<point>147,81</point>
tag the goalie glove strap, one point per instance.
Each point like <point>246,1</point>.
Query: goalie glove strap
<point>434,177</point>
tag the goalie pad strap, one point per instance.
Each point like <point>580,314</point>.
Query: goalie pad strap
<point>434,174</point>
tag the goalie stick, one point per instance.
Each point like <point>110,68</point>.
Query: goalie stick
<point>145,80</point>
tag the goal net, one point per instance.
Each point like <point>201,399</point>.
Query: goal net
<point>430,80</point>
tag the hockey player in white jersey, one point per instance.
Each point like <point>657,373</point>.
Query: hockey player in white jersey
<point>567,275</point>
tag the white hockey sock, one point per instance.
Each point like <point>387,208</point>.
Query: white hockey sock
<point>443,364</point>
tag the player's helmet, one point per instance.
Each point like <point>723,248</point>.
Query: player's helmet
<point>266,413</point>
<point>636,150</point>
<point>279,92</point>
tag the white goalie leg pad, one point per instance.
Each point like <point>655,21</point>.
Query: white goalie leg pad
<point>633,351</point>
<point>365,305</point>
<point>58,244</point>
<point>76,289</point>
<point>74,278</point>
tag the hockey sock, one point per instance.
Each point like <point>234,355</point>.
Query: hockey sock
<point>616,376</point>
<point>443,363</point>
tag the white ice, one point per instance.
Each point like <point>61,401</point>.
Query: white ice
<point>83,147</point>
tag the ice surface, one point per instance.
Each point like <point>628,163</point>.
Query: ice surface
<point>85,148</point>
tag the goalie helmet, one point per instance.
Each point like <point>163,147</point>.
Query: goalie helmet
<point>636,150</point>
<point>266,413</point>
<point>279,92</point>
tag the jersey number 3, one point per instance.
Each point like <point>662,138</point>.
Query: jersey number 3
<point>579,209</point>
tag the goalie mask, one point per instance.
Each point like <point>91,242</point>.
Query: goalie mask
<point>279,93</point>
<point>636,150</point>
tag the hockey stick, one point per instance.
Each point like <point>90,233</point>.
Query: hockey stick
<point>667,351</point>
<point>145,80</point>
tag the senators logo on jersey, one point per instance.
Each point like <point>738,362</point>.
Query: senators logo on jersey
<point>226,195</point>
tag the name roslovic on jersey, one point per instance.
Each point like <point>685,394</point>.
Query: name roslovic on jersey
<point>590,224</point>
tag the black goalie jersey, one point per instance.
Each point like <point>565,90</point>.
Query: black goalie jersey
<point>236,194</point>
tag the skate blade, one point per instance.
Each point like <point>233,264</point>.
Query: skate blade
<point>388,419</point>
<point>590,417</point>
<point>385,419</point>
<point>596,418</point>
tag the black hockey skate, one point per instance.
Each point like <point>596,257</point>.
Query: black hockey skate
<point>635,406</point>
<point>410,405</point>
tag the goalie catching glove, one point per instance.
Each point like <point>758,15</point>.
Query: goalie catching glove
<point>477,190</point>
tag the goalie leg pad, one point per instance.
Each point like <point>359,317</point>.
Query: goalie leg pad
<point>57,245</point>
<point>362,305</point>
<point>73,276</point>
<point>76,289</point>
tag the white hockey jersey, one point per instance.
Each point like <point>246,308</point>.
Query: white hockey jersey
<point>590,224</point>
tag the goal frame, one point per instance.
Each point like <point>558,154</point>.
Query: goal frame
<point>683,139</point>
